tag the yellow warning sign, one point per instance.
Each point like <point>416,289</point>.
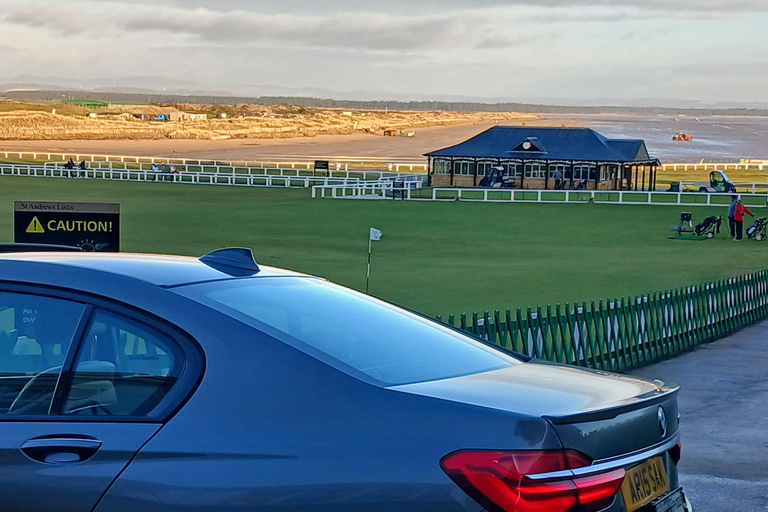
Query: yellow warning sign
<point>35,226</point>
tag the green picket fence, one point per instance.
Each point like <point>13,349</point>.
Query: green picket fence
<point>621,334</point>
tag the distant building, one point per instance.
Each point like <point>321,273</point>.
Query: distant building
<point>188,116</point>
<point>540,158</point>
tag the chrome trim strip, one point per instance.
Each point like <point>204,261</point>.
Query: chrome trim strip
<point>611,463</point>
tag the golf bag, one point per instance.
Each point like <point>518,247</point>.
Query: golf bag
<point>757,230</point>
<point>710,224</point>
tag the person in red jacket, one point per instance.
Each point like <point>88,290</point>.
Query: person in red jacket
<point>738,217</point>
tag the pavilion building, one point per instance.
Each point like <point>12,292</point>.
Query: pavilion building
<point>535,158</point>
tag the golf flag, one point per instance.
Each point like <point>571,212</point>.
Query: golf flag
<point>374,235</point>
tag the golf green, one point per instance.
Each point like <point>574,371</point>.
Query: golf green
<point>436,258</point>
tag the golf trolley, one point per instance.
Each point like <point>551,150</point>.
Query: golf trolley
<point>758,229</point>
<point>708,228</point>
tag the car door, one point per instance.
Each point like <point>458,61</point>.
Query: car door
<point>83,388</point>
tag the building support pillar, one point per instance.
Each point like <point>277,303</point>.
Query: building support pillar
<point>597,174</point>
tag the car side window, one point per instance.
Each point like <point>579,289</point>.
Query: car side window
<point>123,368</point>
<point>35,334</point>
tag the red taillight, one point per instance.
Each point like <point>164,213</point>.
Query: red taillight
<point>675,452</point>
<point>498,481</point>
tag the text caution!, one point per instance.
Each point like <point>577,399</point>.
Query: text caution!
<point>91,226</point>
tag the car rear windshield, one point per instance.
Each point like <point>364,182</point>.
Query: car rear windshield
<point>384,342</point>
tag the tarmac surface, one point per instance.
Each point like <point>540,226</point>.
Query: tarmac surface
<point>723,404</point>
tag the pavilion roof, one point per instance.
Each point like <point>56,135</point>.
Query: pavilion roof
<point>541,143</point>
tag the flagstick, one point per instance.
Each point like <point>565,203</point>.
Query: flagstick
<point>368,272</point>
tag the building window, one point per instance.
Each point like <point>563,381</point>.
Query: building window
<point>535,170</point>
<point>484,168</point>
<point>565,170</point>
<point>512,169</point>
<point>582,172</point>
<point>464,168</point>
<point>607,172</point>
<point>442,166</point>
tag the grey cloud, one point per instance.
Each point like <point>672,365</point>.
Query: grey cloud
<point>372,31</point>
<point>47,16</point>
<point>484,26</point>
<point>431,6</point>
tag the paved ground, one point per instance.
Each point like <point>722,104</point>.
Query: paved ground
<point>724,426</point>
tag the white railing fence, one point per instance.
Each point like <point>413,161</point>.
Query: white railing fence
<point>337,164</point>
<point>365,190</point>
<point>206,178</point>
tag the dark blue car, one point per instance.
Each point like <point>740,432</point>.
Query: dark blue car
<point>138,383</point>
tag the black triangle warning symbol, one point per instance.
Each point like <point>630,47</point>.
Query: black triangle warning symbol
<point>35,226</point>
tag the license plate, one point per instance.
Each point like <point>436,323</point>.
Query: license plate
<point>672,502</point>
<point>644,483</point>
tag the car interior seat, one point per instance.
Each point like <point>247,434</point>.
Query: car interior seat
<point>35,397</point>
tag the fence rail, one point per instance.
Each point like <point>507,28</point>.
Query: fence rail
<point>741,165</point>
<point>201,178</point>
<point>339,163</point>
<point>365,190</point>
<point>626,333</point>
<point>220,168</point>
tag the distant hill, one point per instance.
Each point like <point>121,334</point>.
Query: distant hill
<point>459,106</point>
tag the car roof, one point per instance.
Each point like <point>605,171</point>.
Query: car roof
<point>161,270</point>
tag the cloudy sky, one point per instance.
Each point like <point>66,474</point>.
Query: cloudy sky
<point>576,50</point>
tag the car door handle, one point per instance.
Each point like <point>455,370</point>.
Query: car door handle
<point>61,449</point>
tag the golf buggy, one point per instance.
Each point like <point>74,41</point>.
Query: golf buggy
<point>718,182</point>
<point>498,178</point>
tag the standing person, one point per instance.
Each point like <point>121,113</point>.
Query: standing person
<point>731,214</point>
<point>739,218</point>
<point>558,179</point>
<point>70,165</point>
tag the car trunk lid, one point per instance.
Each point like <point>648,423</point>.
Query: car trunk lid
<point>599,414</point>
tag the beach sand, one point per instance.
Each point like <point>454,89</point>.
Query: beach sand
<point>321,146</point>
<point>726,139</point>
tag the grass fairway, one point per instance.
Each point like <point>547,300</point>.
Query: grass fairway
<point>437,258</point>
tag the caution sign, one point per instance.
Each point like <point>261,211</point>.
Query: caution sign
<point>92,226</point>
<point>35,226</point>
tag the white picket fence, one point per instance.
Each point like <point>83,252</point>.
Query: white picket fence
<point>366,190</point>
<point>198,178</point>
<point>337,164</point>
